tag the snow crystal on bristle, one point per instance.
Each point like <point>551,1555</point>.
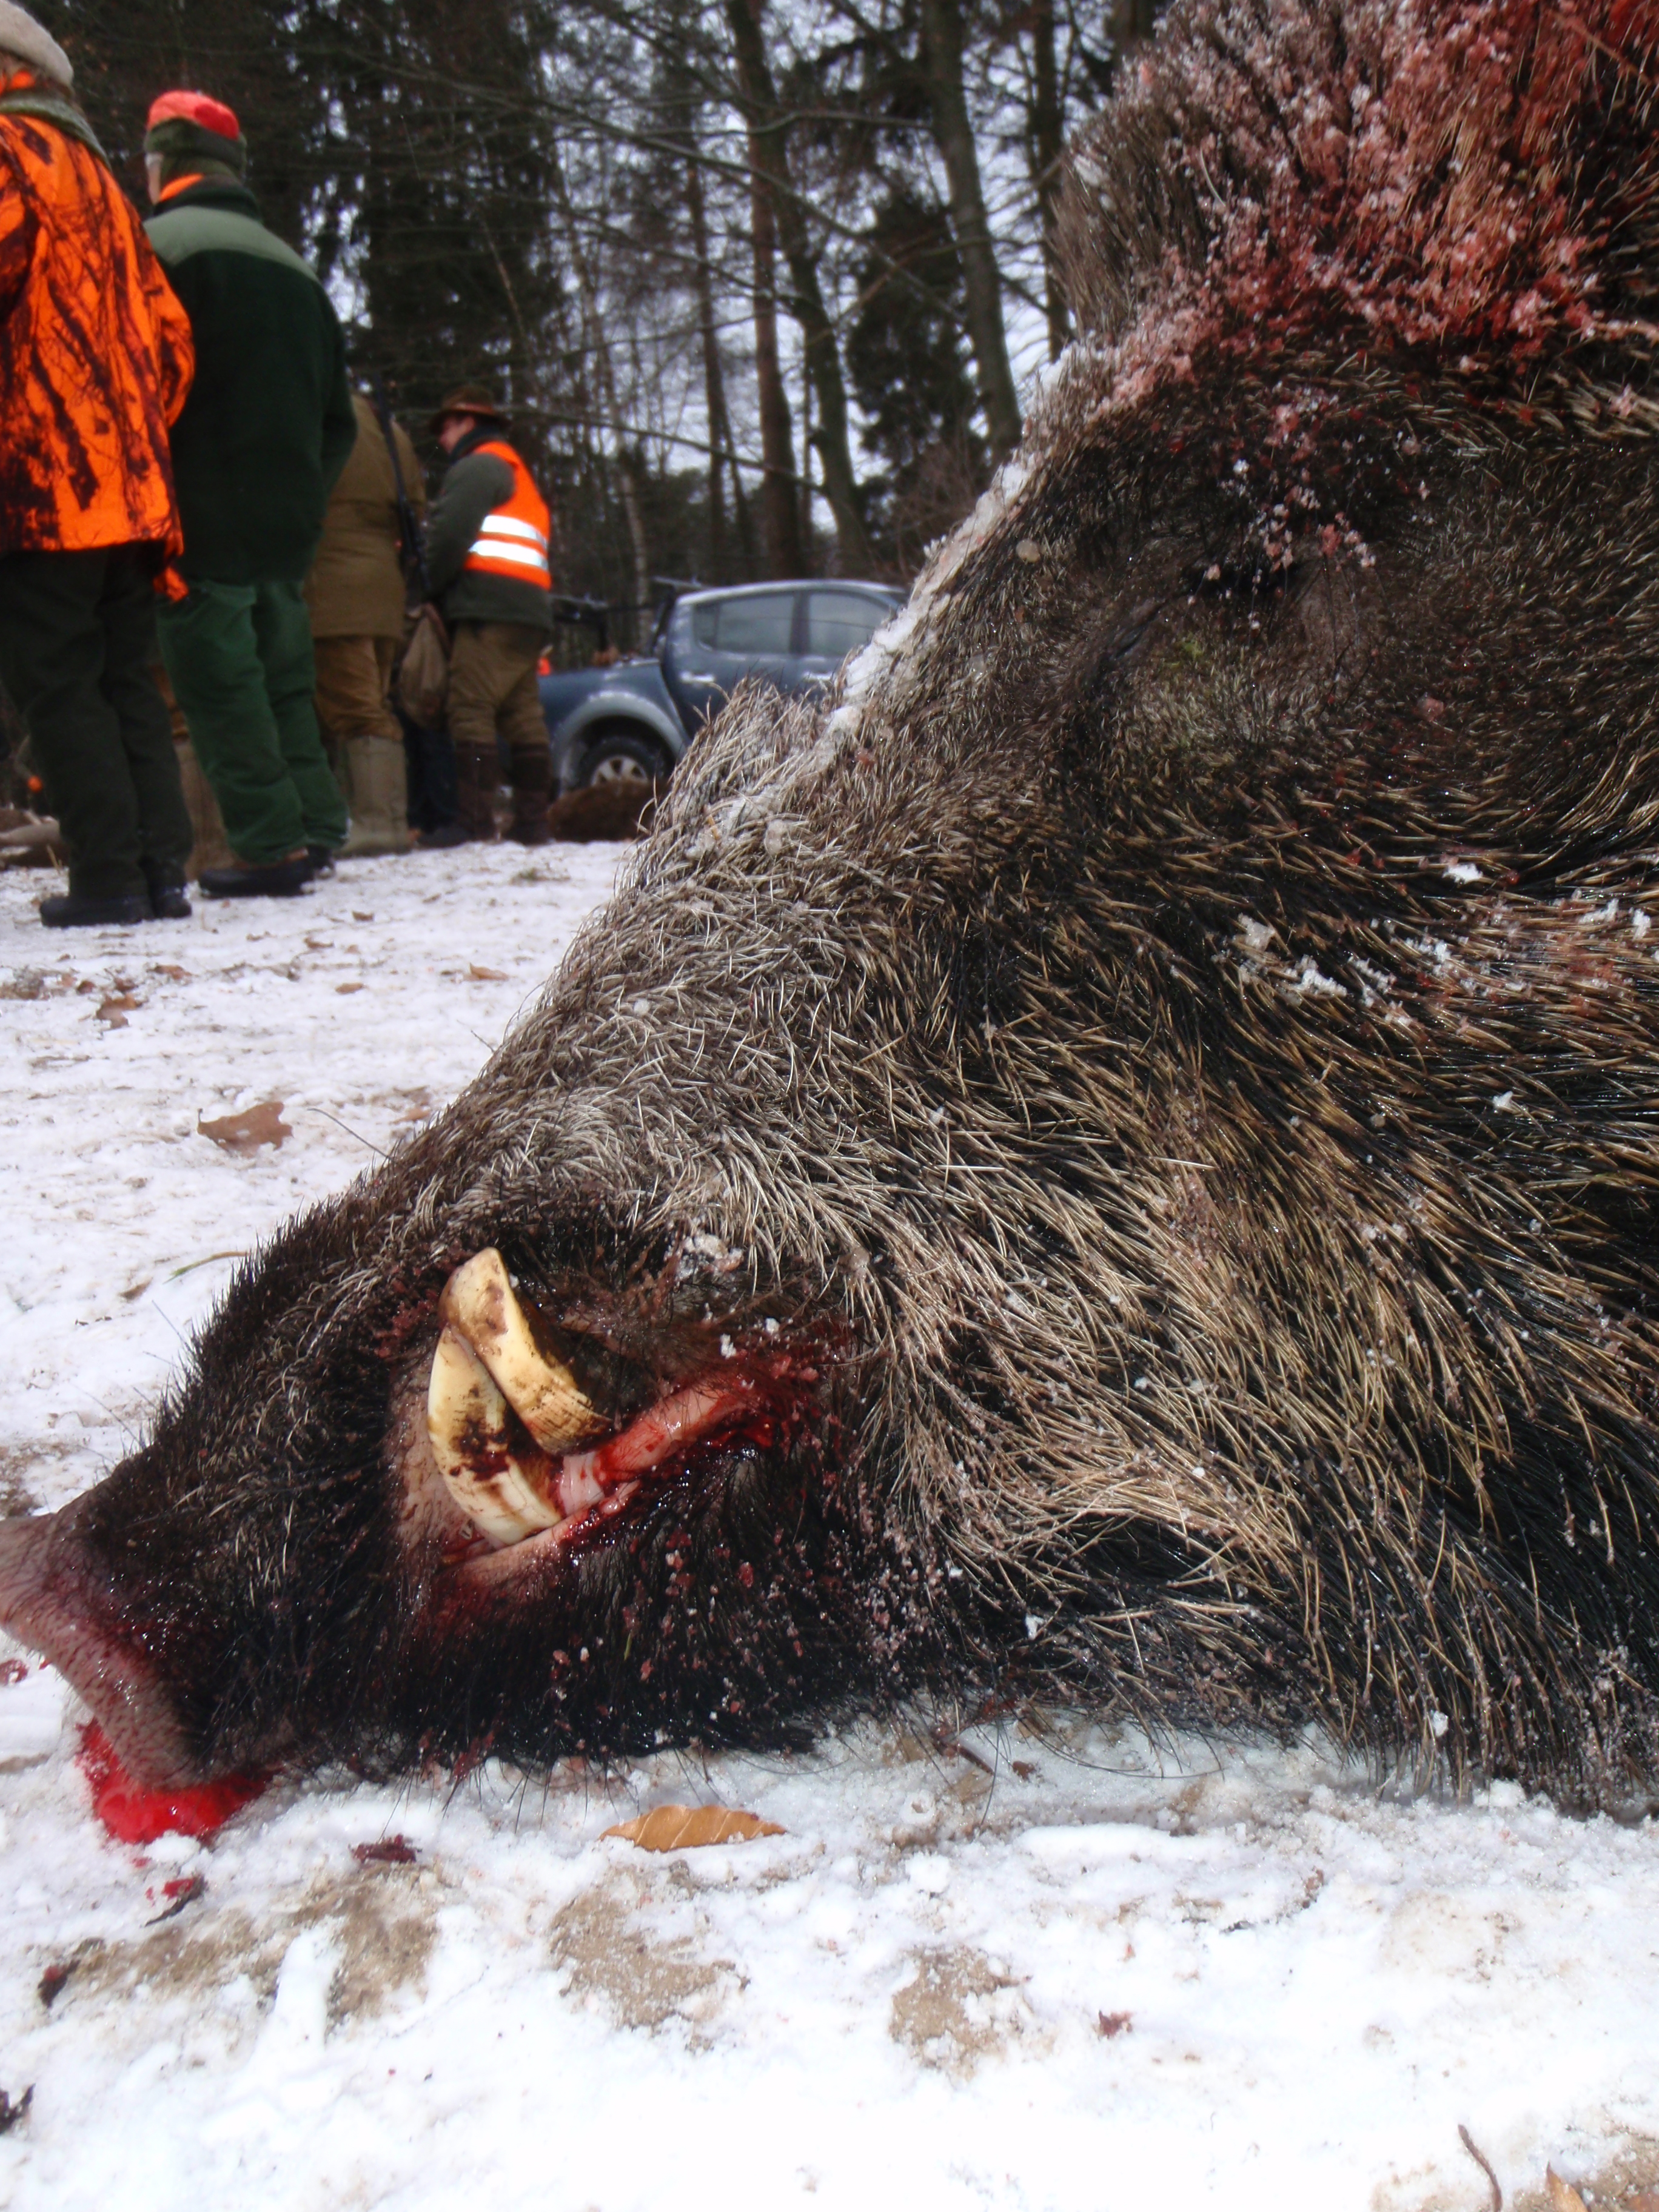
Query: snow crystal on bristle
<point>865,671</point>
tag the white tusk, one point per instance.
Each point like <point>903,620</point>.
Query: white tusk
<point>478,1300</point>
<point>466,1421</point>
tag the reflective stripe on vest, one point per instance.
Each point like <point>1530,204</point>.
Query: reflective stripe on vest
<point>511,541</point>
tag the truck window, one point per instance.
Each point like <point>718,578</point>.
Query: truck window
<point>838,622</point>
<point>755,624</point>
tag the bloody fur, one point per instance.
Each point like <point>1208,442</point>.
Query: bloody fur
<point>1170,1045</point>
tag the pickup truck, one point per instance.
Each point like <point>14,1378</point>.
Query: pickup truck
<point>634,720</point>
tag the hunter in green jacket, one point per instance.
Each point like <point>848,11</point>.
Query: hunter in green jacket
<point>263,436</point>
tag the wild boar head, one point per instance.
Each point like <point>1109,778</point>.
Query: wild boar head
<point>1116,1156</point>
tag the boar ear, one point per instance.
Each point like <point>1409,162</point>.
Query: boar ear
<point>55,1598</point>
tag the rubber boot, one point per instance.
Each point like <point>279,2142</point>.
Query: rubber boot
<point>376,780</point>
<point>532,775</point>
<point>476,776</point>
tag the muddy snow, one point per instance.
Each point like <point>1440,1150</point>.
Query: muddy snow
<point>1081,1972</point>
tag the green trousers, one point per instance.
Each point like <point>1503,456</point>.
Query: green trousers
<point>77,640</point>
<point>241,662</point>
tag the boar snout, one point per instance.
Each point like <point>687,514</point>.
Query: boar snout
<point>54,1598</point>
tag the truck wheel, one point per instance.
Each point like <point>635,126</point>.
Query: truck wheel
<point>624,757</point>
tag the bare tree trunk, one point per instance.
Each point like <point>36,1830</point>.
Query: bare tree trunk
<point>1046,136</point>
<point>953,132</point>
<point>713,381</point>
<point>746,526</point>
<point>769,148</point>
<point>806,465</point>
<point>594,341</point>
<point>780,513</point>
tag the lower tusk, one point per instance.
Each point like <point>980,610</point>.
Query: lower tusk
<point>466,1421</point>
<point>479,1301</point>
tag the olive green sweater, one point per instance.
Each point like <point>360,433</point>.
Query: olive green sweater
<point>269,421</point>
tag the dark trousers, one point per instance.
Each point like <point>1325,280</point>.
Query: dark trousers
<point>77,636</point>
<point>240,660</point>
<point>433,802</point>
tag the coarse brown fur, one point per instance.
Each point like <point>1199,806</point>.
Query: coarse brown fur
<point>1170,1048</point>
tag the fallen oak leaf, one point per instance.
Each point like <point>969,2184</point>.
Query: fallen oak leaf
<point>391,1850</point>
<point>1111,2024</point>
<point>115,1009</point>
<point>245,1132</point>
<point>1563,2196</point>
<point>486,974</point>
<point>688,1827</point>
<point>346,989</point>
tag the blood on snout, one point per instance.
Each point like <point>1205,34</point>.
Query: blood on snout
<point>133,1815</point>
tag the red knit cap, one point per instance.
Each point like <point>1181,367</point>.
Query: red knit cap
<point>194,107</point>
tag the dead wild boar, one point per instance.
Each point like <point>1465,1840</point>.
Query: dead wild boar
<point>1114,1159</point>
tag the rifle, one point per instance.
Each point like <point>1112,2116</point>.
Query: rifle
<point>409,528</point>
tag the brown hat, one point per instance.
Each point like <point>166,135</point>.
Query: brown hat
<point>467,399</point>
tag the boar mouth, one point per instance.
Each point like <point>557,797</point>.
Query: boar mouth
<point>528,1457</point>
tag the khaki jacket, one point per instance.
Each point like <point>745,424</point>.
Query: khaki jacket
<point>356,587</point>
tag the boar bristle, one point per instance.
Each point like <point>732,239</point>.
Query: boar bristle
<point>1175,1030</point>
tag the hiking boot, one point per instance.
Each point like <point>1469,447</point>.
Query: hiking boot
<point>444,838</point>
<point>320,861</point>
<point>528,828</point>
<point>258,879</point>
<point>167,896</point>
<point>532,776</point>
<point>478,775</point>
<point>376,777</point>
<point>77,910</point>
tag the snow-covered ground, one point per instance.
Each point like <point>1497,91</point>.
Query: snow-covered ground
<point>1084,1975</point>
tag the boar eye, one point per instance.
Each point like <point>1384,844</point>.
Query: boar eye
<point>1247,586</point>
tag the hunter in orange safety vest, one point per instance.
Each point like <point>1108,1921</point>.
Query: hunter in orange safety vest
<point>488,562</point>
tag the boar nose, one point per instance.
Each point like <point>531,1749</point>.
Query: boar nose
<point>56,1599</point>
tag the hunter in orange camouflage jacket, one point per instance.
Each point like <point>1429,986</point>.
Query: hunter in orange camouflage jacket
<point>95,352</point>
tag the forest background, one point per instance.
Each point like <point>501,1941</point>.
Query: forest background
<point>762,281</point>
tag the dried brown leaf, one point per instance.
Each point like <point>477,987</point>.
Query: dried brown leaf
<point>346,989</point>
<point>245,1133</point>
<point>1111,2024</point>
<point>486,974</point>
<point>116,1008</point>
<point>390,1850</point>
<point>1563,2196</point>
<point>687,1827</point>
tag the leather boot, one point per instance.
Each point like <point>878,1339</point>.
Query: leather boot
<point>532,776</point>
<point>376,781</point>
<point>477,775</point>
